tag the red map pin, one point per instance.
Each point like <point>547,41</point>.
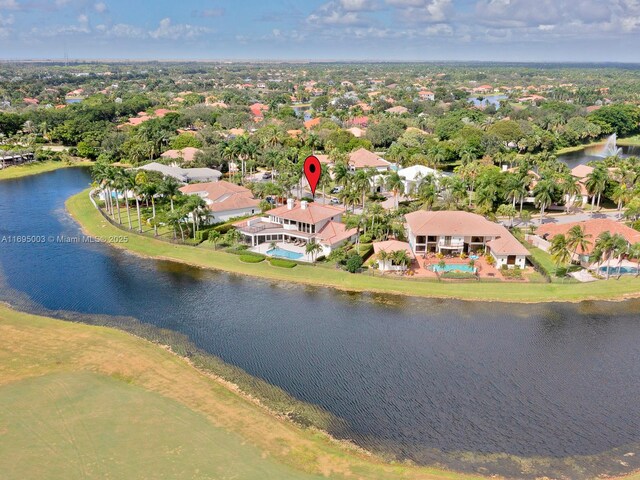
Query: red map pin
<point>312,170</point>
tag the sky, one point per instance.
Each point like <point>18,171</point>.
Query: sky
<point>367,30</point>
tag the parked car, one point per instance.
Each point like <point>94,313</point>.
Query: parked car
<point>270,200</point>
<point>266,175</point>
<point>335,201</point>
<point>338,189</point>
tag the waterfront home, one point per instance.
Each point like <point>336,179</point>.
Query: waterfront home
<point>183,175</point>
<point>187,154</point>
<point>455,232</point>
<point>390,246</point>
<point>364,159</point>
<point>592,228</point>
<point>224,200</point>
<point>296,224</point>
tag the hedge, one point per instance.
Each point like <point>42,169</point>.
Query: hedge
<point>281,262</point>
<point>251,258</point>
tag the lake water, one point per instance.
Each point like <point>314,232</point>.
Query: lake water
<point>590,154</point>
<point>518,390</point>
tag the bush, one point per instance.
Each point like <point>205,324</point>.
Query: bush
<point>203,234</point>
<point>251,258</point>
<point>365,238</point>
<point>239,250</point>
<point>282,263</point>
<point>224,228</point>
<point>365,250</point>
<point>354,262</point>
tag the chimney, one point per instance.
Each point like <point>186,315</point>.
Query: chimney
<point>303,204</point>
<point>290,203</point>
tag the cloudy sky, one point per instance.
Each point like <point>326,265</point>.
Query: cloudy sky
<point>502,30</point>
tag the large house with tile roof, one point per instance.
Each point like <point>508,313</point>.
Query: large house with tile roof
<point>224,200</point>
<point>300,222</point>
<point>456,232</point>
<point>364,159</point>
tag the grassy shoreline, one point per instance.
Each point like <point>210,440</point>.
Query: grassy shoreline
<point>36,348</point>
<point>622,142</point>
<point>92,222</point>
<point>36,168</point>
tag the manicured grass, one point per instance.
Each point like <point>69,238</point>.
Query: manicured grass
<point>248,258</point>
<point>37,167</point>
<point>282,263</point>
<point>79,401</point>
<point>93,223</point>
<point>629,141</point>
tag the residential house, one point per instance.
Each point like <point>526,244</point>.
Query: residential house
<point>397,110</point>
<point>301,222</point>
<point>455,232</point>
<point>184,175</point>
<point>391,246</point>
<point>414,175</point>
<point>592,228</point>
<point>364,159</point>
<point>224,200</point>
<point>187,154</point>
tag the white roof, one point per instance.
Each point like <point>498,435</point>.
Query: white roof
<point>417,172</point>
<point>184,175</point>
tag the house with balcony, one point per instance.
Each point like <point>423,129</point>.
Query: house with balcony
<point>454,232</point>
<point>295,224</point>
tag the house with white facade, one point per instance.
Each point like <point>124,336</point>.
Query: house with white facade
<point>391,246</point>
<point>183,175</point>
<point>364,159</point>
<point>224,200</point>
<point>296,224</point>
<point>455,232</point>
<point>414,175</point>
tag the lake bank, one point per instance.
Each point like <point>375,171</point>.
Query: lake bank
<point>36,168</point>
<point>36,347</point>
<point>93,223</point>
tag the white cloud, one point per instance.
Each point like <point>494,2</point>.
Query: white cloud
<point>340,13</point>
<point>167,30</point>
<point>9,5</point>
<point>429,11</point>
<point>100,7</point>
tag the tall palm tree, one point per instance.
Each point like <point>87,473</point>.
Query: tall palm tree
<point>619,247</point>
<point>313,248</point>
<point>570,188</point>
<point>634,252</point>
<point>362,184</point>
<point>577,238</point>
<point>214,237</point>
<point>170,188</point>
<point>383,258</point>
<point>341,173</point>
<point>543,195</point>
<point>596,183</point>
<point>197,208</point>
<point>560,250</point>
<point>604,247</point>
<point>395,185</point>
<point>401,258</point>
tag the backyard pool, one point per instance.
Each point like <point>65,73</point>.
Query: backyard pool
<point>453,268</point>
<point>621,271</point>
<point>282,253</point>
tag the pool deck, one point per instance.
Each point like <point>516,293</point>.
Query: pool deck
<point>422,266</point>
<point>264,247</point>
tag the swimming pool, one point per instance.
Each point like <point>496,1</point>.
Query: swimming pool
<point>282,253</point>
<point>453,268</point>
<point>623,270</point>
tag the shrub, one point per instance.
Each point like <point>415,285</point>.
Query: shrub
<point>365,238</point>
<point>490,260</point>
<point>282,263</point>
<point>365,250</point>
<point>251,258</point>
<point>354,262</point>
<point>239,250</point>
<point>224,228</point>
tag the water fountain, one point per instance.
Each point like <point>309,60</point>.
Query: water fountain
<point>610,148</point>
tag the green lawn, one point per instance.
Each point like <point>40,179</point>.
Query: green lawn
<point>84,402</point>
<point>93,223</point>
<point>36,167</point>
<point>84,425</point>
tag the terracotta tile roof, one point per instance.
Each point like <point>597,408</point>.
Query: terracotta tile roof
<point>314,122</point>
<point>363,158</point>
<point>581,171</point>
<point>451,223</point>
<point>392,246</point>
<point>399,110</point>
<point>188,154</point>
<point>592,227</point>
<point>335,232</point>
<point>222,196</point>
<point>507,244</point>
<point>313,214</point>
<point>324,159</point>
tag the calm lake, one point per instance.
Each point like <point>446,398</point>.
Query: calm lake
<point>518,390</point>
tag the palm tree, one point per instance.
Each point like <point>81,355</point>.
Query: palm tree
<point>232,236</point>
<point>401,258</point>
<point>362,184</point>
<point>197,207</point>
<point>508,211</point>
<point>341,173</point>
<point>570,188</point>
<point>596,183</point>
<point>383,258</point>
<point>634,252</point>
<point>543,194</point>
<point>313,248</point>
<point>577,238</point>
<point>395,184</point>
<point>604,247</point>
<point>560,250</point>
<point>170,188</point>
<point>214,237</point>
<point>619,247</point>
<point>128,183</point>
